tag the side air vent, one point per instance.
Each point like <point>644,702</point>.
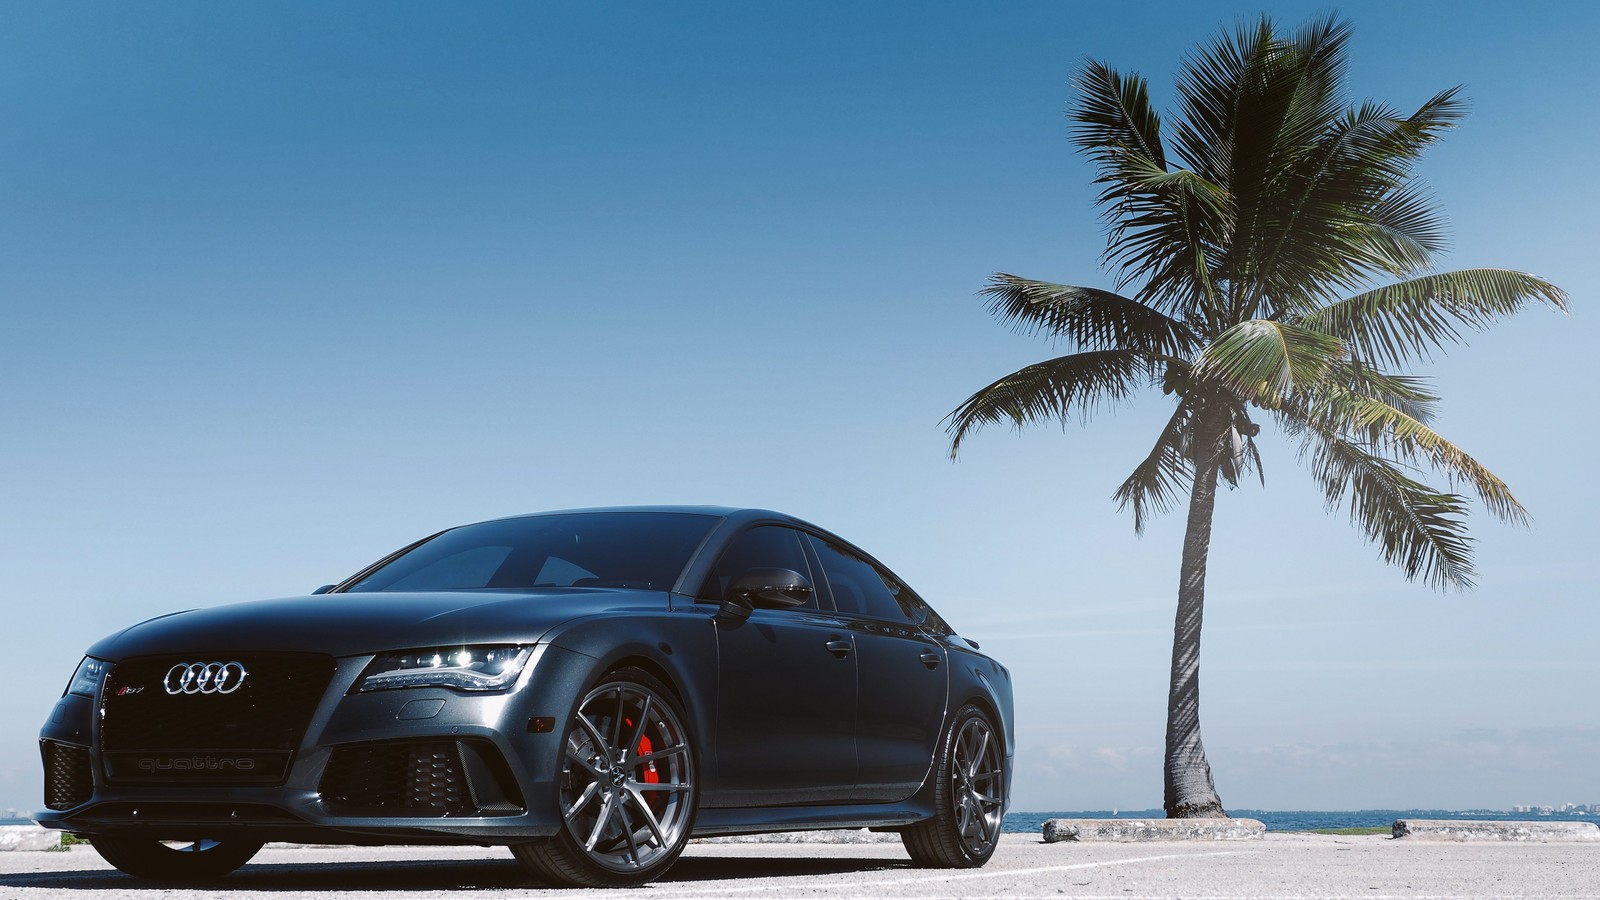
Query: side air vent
<point>420,778</point>
<point>68,778</point>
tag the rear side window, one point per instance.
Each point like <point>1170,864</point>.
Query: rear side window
<point>860,588</point>
<point>762,547</point>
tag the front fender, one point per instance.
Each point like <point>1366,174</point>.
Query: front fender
<point>678,646</point>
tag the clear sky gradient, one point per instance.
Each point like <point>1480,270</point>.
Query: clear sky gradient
<point>286,286</point>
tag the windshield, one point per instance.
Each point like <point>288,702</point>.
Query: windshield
<point>644,550</point>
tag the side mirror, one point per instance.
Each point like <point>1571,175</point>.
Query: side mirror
<point>323,590</point>
<point>771,588</point>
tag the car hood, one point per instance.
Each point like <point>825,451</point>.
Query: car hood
<point>354,624</point>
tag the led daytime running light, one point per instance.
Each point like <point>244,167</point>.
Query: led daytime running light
<point>462,668</point>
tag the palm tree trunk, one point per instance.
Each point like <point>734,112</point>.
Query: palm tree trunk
<point>1189,792</point>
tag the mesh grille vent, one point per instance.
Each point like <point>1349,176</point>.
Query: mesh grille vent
<point>68,778</point>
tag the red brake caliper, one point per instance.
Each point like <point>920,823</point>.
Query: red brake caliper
<point>647,772</point>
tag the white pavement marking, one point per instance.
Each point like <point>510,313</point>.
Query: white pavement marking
<point>944,875</point>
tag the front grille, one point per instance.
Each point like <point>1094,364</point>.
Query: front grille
<point>68,778</point>
<point>420,778</point>
<point>148,733</point>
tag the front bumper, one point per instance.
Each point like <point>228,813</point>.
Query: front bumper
<point>418,765</point>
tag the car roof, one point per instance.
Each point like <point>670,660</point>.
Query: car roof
<point>735,515</point>
<point>734,518</point>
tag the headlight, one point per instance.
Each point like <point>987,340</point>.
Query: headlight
<point>86,681</point>
<point>463,668</point>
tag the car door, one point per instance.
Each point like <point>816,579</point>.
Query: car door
<point>786,693</point>
<point>903,675</point>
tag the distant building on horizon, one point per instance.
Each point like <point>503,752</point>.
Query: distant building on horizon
<point>1582,809</point>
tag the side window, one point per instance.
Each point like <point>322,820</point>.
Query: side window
<point>917,609</point>
<point>860,588</point>
<point>765,546</point>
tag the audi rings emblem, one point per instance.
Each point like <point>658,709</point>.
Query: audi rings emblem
<point>204,678</point>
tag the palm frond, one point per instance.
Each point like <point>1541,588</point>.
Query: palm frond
<point>1114,116</point>
<point>1265,361</point>
<point>1077,384</point>
<point>1403,144</point>
<point>1292,243</point>
<point>1402,236</point>
<point>1089,317</point>
<point>1165,230</point>
<point>1418,528</point>
<point>1212,83</point>
<point>1341,210</point>
<point>1394,324</point>
<point>1253,105</point>
<point>1161,222</point>
<point>1406,393</point>
<point>1321,43</point>
<point>1393,433</point>
<point>1161,480</point>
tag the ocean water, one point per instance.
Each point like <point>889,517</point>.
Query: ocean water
<point>1298,820</point>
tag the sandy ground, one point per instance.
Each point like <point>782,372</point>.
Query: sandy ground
<point>1281,865</point>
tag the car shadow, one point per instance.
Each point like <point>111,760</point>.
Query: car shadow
<point>432,875</point>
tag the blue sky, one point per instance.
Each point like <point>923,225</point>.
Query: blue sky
<point>286,287</point>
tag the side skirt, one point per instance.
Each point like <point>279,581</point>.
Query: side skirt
<point>762,820</point>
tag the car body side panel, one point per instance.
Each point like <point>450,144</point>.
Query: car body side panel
<point>785,710</point>
<point>903,706</point>
<point>979,678</point>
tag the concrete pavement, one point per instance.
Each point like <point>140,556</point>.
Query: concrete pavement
<point>1276,866</point>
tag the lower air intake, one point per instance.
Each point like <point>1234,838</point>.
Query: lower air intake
<point>68,778</point>
<point>420,778</point>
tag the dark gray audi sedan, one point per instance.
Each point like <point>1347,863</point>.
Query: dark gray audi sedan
<point>590,688</point>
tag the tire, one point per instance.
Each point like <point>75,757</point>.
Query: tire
<point>626,788</point>
<point>969,798</point>
<point>187,861</point>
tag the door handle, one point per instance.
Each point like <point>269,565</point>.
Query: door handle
<point>840,649</point>
<point>931,659</point>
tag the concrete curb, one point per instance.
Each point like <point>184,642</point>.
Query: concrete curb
<point>1136,830</point>
<point>1459,830</point>
<point>28,837</point>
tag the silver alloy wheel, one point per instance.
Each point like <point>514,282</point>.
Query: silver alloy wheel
<point>626,778</point>
<point>978,786</point>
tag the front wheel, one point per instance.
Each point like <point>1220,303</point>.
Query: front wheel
<point>627,788</point>
<point>969,796</point>
<point>174,860</point>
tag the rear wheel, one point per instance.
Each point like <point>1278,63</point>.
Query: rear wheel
<point>174,860</point>
<point>627,788</point>
<point>969,796</point>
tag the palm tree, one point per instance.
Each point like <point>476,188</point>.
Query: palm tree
<point>1274,262</point>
